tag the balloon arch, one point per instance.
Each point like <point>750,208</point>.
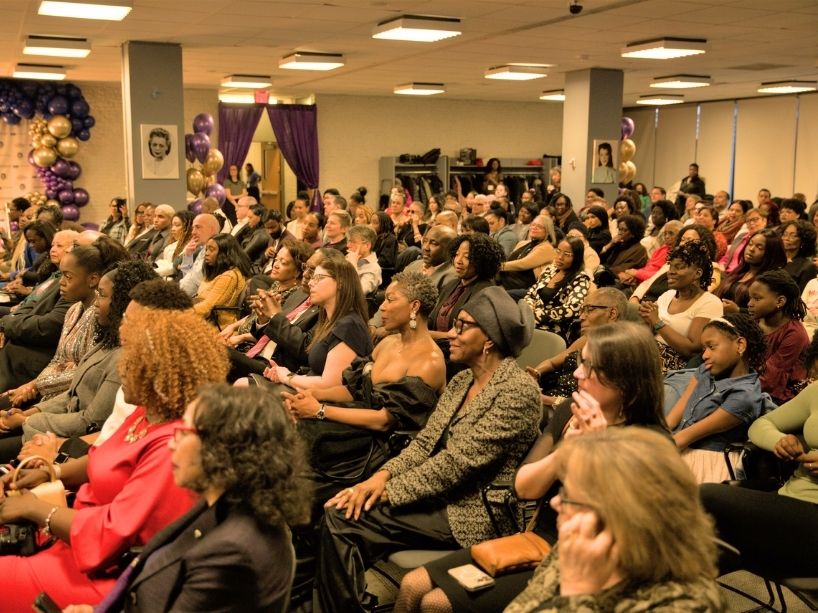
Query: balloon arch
<point>59,120</point>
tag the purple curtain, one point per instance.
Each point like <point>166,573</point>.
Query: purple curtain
<point>296,130</point>
<point>237,124</point>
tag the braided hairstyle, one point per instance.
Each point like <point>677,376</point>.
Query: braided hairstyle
<point>780,282</point>
<point>695,253</point>
<point>739,325</point>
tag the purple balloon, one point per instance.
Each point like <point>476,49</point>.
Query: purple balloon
<point>58,105</point>
<point>11,119</point>
<point>66,196</point>
<point>83,134</point>
<point>70,212</point>
<point>25,109</point>
<point>189,155</point>
<point>215,191</point>
<point>203,123</point>
<point>51,193</point>
<point>80,108</point>
<point>89,122</point>
<point>61,168</point>
<point>81,197</point>
<point>195,207</point>
<point>200,145</point>
<point>628,127</point>
<point>74,171</point>
<point>74,91</point>
<point>76,125</point>
<point>31,157</point>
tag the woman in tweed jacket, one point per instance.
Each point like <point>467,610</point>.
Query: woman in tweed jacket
<point>429,496</point>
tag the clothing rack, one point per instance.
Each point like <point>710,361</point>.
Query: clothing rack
<point>390,168</point>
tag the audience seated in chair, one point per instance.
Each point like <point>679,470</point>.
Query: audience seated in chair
<point>359,253</point>
<point>224,276</point>
<point>203,229</point>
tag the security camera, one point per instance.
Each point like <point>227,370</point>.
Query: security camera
<point>575,7</point>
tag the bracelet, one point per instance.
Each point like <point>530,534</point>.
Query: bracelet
<point>290,376</point>
<point>47,525</point>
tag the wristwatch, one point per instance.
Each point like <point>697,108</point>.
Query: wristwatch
<point>321,414</point>
<point>658,326</point>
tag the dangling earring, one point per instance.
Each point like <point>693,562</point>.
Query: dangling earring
<point>485,350</point>
<point>413,324</point>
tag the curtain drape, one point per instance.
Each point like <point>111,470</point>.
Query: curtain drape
<point>237,125</point>
<point>296,131</point>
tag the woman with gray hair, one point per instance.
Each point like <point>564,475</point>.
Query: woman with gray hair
<point>429,495</point>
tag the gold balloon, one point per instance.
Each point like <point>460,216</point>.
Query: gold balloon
<point>210,180</point>
<point>627,171</point>
<point>214,162</point>
<point>59,126</point>
<point>627,149</point>
<point>37,141</point>
<point>195,181</point>
<point>52,202</point>
<point>45,157</point>
<point>48,140</point>
<point>68,147</point>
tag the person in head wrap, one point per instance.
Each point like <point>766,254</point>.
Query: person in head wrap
<point>428,497</point>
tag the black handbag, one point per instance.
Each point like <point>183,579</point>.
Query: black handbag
<point>18,539</point>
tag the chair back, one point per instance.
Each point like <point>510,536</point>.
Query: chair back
<point>543,345</point>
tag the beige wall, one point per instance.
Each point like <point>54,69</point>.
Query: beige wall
<point>354,132</point>
<point>103,157</point>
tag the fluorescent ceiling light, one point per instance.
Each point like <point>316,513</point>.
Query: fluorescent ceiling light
<point>787,87</point>
<point>237,98</point>
<point>418,28</point>
<point>681,81</point>
<point>247,80</point>
<point>306,60</point>
<point>556,95</point>
<point>665,48</point>
<point>39,71</point>
<point>420,89</point>
<point>108,10</point>
<point>661,99</point>
<point>517,72</point>
<point>56,46</point>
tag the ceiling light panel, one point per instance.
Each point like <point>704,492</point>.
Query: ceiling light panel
<point>420,89</point>
<point>660,99</point>
<point>665,48</point>
<point>305,60</point>
<point>681,81</point>
<point>55,46</point>
<point>248,81</point>
<point>556,95</point>
<point>106,10</point>
<point>39,71</point>
<point>418,28</point>
<point>787,87</point>
<point>517,72</point>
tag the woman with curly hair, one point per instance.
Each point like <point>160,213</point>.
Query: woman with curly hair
<point>181,227</point>
<point>722,398</point>
<point>557,296</point>
<point>386,245</point>
<point>225,269</point>
<point>231,551</point>
<point>89,399</point>
<point>799,238</point>
<point>679,315</point>
<point>764,251</point>
<point>775,303</point>
<point>126,492</point>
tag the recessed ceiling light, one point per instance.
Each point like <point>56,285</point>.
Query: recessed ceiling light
<point>418,28</point>
<point>246,80</point>
<point>232,98</point>
<point>665,48</point>
<point>787,87</point>
<point>681,81</point>
<point>661,99</point>
<point>39,71</point>
<point>108,10</point>
<point>517,72</point>
<point>555,95</point>
<point>306,60</point>
<point>57,46</point>
<point>420,89</point>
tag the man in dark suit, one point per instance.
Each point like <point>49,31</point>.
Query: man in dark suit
<point>162,218</point>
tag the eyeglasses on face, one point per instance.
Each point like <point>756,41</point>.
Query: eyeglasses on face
<point>587,308</point>
<point>461,324</point>
<point>563,499</point>
<point>317,278</point>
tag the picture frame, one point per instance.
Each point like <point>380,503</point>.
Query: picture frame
<point>605,155</point>
<point>160,159</point>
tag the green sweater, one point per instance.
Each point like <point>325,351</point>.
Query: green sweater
<point>800,413</point>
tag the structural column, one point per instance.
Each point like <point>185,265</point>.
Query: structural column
<point>153,106</point>
<point>592,112</point>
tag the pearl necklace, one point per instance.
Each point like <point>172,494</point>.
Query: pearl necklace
<point>131,436</point>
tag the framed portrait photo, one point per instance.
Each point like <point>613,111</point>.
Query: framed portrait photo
<point>159,155</point>
<point>604,165</point>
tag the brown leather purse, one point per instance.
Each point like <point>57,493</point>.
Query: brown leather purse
<point>508,554</point>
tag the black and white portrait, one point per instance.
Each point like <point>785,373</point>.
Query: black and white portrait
<point>160,159</point>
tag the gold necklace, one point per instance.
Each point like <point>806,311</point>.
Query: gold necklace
<point>131,436</point>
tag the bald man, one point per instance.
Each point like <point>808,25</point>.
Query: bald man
<point>446,218</point>
<point>205,226</point>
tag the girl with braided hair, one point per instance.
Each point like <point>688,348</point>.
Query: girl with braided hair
<point>679,315</point>
<point>722,398</point>
<point>775,303</point>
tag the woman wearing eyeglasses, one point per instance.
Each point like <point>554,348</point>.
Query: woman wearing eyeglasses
<point>557,295</point>
<point>429,496</point>
<point>608,395</point>
<point>625,493</point>
<point>126,492</point>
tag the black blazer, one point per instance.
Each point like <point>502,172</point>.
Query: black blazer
<point>138,246</point>
<point>255,243</point>
<point>292,339</point>
<point>213,559</point>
